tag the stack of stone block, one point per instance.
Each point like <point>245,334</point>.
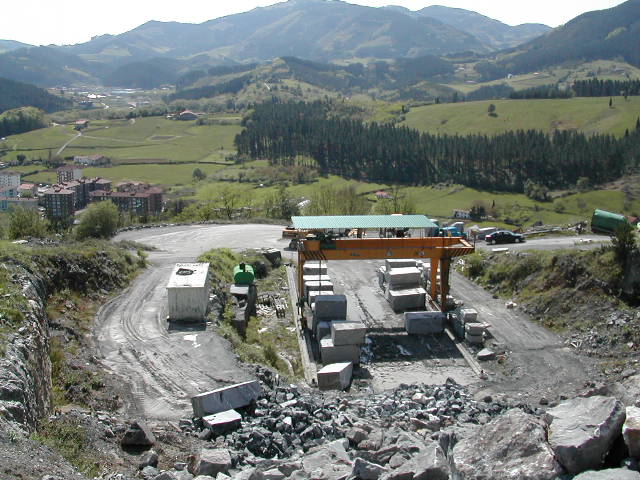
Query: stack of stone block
<point>340,340</point>
<point>467,327</point>
<point>402,281</point>
<point>316,281</point>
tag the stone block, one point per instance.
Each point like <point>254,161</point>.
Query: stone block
<point>474,328</point>
<point>316,278</point>
<point>323,329</point>
<point>631,431</point>
<point>226,398</point>
<point>335,376</point>
<point>403,277</point>
<point>582,431</point>
<point>314,268</point>
<point>331,353</point>
<point>223,422</point>
<point>348,333</point>
<point>474,339</point>
<point>406,299</point>
<point>467,315</point>
<point>391,263</point>
<point>424,323</point>
<point>330,307</point>
<point>485,354</point>
<point>314,285</point>
<point>312,295</point>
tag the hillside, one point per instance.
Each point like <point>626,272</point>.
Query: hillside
<point>15,94</point>
<point>8,45</point>
<point>589,115</point>
<point>605,34</point>
<point>491,32</point>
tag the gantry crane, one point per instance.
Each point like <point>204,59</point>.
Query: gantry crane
<point>440,250</point>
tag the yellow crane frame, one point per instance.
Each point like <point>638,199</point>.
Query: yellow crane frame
<point>440,250</point>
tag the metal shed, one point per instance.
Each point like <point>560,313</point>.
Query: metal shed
<point>188,291</point>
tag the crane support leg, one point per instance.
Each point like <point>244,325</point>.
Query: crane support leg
<point>445,264</point>
<point>434,278</point>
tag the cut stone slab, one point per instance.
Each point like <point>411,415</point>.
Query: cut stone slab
<point>348,333</point>
<point>314,285</point>
<point>392,263</point>
<point>223,422</point>
<point>211,462</point>
<point>582,430</point>
<point>467,315</point>
<point>331,307</point>
<point>424,323</point>
<point>138,435</point>
<point>314,268</point>
<point>336,376</point>
<point>512,446</point>
<point>331,353</point>
<point>486,354</point>
<point>316,278</point>
<point>226,398</point>
<point>610,474</point>
<point>403,277</point>
<point>406,299</point>
<point>631,431</point>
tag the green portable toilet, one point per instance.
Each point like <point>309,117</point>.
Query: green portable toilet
<point>243,274</point>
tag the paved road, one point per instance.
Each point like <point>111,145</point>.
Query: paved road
<point>552,242</point>
<point>158,369</point>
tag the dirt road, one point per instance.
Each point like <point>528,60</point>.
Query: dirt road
<point>158,369</point>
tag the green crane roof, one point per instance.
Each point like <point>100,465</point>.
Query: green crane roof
<point>329,222</point>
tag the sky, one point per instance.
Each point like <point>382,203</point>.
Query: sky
<point>43,22</point>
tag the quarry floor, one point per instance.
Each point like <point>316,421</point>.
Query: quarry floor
<point>157,367</point>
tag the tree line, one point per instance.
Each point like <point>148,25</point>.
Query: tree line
<point>21,120</point>
<point>384,153</point>
<point>606,88</point>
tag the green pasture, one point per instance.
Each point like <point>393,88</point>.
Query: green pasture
<point>589,115</point>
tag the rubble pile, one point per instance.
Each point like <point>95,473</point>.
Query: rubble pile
<point>287,420</point>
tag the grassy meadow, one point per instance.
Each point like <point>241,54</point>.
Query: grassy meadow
<point>589,115</point>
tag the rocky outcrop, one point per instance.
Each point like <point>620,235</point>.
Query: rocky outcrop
<point>582,431</point>
<point>513,446</point>
<point>25,369</point>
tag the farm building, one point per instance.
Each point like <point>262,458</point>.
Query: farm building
<point>188,291</point>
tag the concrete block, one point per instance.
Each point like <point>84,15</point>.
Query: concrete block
<point>312,286</point>
<point>314,268</point>
<point>401,277</point>
<point>316,278</point>
<point>331,353</point>
<point>227,398</point>
<point>424,323</point>
<point>391,263</point>
<point>348,333</point>
<point>223,422</point>
<point>335,376</point>
<point>406,299</point>
<point>331,307</point>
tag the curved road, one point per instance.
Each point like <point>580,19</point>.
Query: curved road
<point>157,370</point>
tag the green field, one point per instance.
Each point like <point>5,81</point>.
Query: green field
<point>589,115</point>
<point>154,138</point>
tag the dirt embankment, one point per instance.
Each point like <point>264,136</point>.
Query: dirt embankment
<point>577,294</point>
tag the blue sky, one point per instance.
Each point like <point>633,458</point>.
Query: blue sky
<point>42,22</point>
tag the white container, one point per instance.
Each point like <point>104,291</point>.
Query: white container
<point>188,291</point>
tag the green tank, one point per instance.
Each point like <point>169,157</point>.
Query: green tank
<point>243,274</point>
<point>606,222</point>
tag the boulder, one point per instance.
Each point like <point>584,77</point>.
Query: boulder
<point>366,470</point>
<point>582,430</point>
<point>138,435</point>
<point>148,473</point>
<point>511,446</point>
<point>631,431</point>
<point>148,459</point>
<point>273,474</point>
<point>329,462</point>
<point>429,463</point>
<point>168,475</point>
<point>610,474</point>
<point>211,462</point>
